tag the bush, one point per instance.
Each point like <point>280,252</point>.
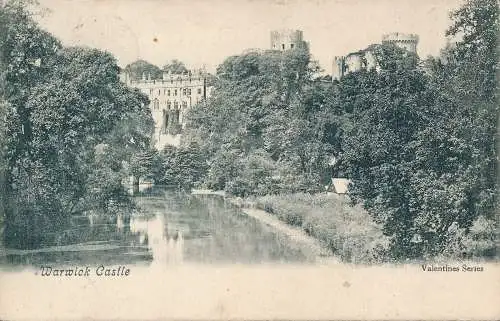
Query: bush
<point>480,241</point>
<point>348,231</point>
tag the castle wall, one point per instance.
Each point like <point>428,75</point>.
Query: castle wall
<point>337,68</point>
<point>353,62</point>
<point>365,59</point>
<point>371,61</point>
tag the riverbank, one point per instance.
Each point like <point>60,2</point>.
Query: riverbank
<point>322,253</point>
<point>325,223</point>
<point>207,192</point>
<point>347,231</point>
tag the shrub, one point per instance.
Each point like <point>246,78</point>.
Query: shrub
<point>347,231</point>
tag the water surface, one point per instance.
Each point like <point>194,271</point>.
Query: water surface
<point>169,228</point>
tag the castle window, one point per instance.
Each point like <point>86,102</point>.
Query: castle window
<point>159,92</point>
<point>189,91</point>
<point>169,104</point>
<point>199,91</point>
<point>175,92</point>
<point>283,46</point>
<point>176,105</point>
<point>291,46</point>
<point>168,92</point>
<point>184,104</point>
<point>184,91</point>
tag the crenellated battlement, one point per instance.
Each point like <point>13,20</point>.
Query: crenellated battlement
<point>403,37</point>
<point>168,79</point>
<point>403,40</point>
<point>169,82</point>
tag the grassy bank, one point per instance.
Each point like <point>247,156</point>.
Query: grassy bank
<point>348,231</point>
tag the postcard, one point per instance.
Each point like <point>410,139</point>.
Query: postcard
<point>249,160</point>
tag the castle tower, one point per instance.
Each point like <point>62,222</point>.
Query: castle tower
<point>286,39</point>
<point>402,40</point>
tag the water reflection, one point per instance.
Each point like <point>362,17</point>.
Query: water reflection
<point>166,247</point>
<point>170,228</point>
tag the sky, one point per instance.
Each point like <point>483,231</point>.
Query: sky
<point>205,32</point>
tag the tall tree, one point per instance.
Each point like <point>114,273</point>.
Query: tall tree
<point>70,126</point>
<point>143,69</point>
<point>175,67</point>
<point>421,145</point>
<point>464,128</point>
<point>263,110</point>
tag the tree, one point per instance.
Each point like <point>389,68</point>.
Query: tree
<point>263,110</point>
<point>175,67</point>
<point>70,126</point>
<point>420,146</point>
<point>24,54</point>
<point>143,69</point>
<point>183,166</point>
<point>386,112</point>
<point>464,136</point>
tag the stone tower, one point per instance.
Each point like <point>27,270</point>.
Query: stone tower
<point>286,39</point>
<point>402,40</point>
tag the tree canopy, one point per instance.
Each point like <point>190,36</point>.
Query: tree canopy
<point>421,145</point>
<point>175,67</point>
<point>142,69</point>
<point>70,127</point>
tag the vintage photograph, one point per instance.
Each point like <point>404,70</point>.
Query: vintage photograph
<point>147,136</point>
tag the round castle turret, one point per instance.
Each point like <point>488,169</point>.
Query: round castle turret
<point>286,39</point>
<point>402,40</point>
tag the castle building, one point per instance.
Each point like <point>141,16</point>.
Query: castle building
<point>365,59</point>
<point>286,39</point>
<point>170,99</point>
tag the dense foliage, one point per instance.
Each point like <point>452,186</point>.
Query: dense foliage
<point>262,131</point>
<point>421,145</point>
<point>175,67</point>
<point>416,138</point>
<point>141,69</point>
<point>70,126</point>
<point>180,167</point>
<point>347,231</point>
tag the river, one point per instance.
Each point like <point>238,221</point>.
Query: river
<point>169,228</point>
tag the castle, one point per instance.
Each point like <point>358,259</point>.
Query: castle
<point>173,95</point>
<point>365,59</point>
<point>288,39</point>
<point>170,99</point>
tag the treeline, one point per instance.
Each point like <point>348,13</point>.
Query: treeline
<point>416,137</point>
<point>69,128</point>
<point>269,128</point>
<point>141,68</point>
